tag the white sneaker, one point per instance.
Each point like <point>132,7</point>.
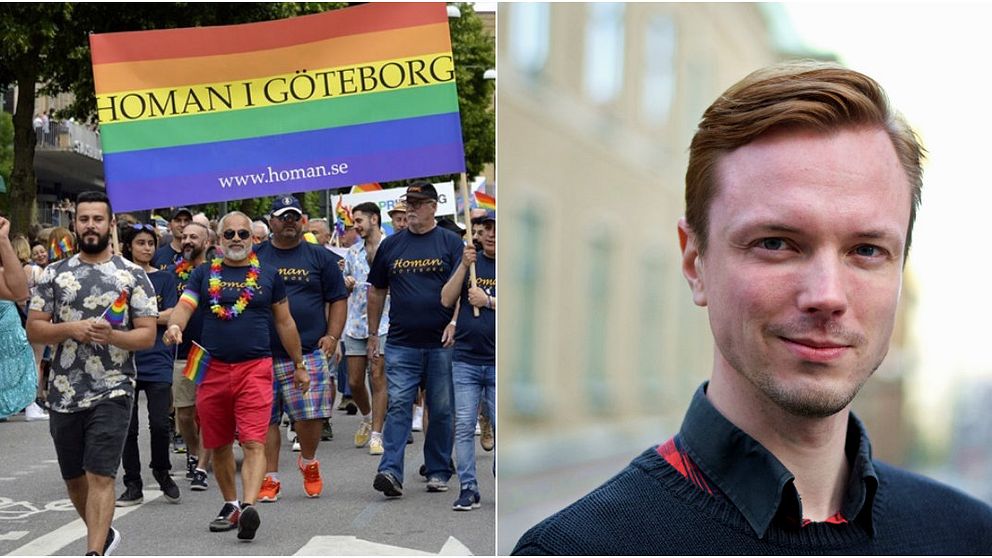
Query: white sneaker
<point>418,418</point>
<point>33,412</point>
<point>478,428</point>
<point>375,445</point>
<point>296,443</point>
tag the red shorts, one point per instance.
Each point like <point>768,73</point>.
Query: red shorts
<point>235,397</point>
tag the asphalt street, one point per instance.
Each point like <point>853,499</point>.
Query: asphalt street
<point>350,517</point>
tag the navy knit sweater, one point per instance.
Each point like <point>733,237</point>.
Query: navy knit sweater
<point>649,508</point>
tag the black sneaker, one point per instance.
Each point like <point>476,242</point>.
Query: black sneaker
<point>423,471</point>
<point>199,482</point>
<point>178,444</point>
<point>226,520</point>
<point>191,462</point>
<point>409,437</point>
<point>168,486</point>
<point>388,485</point>
<point>327,433</point>
<point>248,523</point>
<point>114,539</point>
<point>351,408</point>
<point>132,496</point>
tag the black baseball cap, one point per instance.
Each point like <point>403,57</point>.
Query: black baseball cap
<point>420,191</point>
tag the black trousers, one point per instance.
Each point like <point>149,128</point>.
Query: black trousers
<point>159,396</point>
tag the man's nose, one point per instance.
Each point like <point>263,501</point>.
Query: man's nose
<point>823,288</point>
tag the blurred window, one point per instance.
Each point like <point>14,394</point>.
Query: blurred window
<point>529,34</point>
<point>604,49</point>
<point>659,74</point>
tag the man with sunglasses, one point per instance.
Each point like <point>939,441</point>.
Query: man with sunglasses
<point>235,396</point>
<point>414,266</point>
<point>169,253</point>
<point>318,303</point>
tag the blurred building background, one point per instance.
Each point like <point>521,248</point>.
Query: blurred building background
<point>600,344</point>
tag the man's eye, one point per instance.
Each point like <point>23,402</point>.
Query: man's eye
<point>772,243</point>
<point>868,250</point>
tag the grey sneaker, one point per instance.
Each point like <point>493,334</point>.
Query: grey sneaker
<point>226,520</point>
<point>434,484</point>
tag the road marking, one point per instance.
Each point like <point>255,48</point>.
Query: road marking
<point>13,535</point>
<point>38,466</point>
<point>50,461</point>
<point>353,546</point>
<point>58,539</point>
<point>7,478</point>
<point>367,515</point>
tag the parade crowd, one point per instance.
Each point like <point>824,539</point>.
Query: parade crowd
<point>236,327</point>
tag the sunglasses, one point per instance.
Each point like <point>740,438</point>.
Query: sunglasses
<point>243,234</point>
<point>289,216</point>
<point>143,227</point>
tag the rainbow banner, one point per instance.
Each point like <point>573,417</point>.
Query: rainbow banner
<point>116,311</point>
<point>197,362</point>
<point>351,96</point>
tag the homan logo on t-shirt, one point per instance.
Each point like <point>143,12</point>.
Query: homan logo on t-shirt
<point>423,265</point>
<point>294,274</point>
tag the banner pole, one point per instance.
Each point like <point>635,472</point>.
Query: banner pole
<point>463,185</point>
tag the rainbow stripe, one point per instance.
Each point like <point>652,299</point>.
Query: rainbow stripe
<point>350,96</point>
<point>362,188</point>
<point>485,201</point>
<point>116,311</point>
<point>59,249</point>
<point>189,298</point>
<point>197,362</point>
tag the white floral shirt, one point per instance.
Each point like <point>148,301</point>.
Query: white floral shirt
<point>356,264</point>
<point>70,290</point>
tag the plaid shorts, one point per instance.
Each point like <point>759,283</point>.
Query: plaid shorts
<point>315,403</point>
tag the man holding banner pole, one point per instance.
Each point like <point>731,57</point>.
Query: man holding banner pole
<point>318,304</point>
<point>414,265</point>
<point>236,394</point>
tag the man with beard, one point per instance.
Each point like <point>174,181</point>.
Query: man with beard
<point>356,271</point>
<point>317,301</point>
<point>473,366</point>
<point>235,395</point>
<point>169,253</point>
<point>801,193</point>
<point>92,374</point>
<point>414,265</point>
<point>194,244</point>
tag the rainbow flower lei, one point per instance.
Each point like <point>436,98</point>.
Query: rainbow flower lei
<point>183,269</point>
<point>251,283</point>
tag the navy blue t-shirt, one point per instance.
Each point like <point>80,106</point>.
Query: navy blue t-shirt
<point>246,337</point>
<point>312,278</point>
<point>155,364</point>
<point>475,338</point>
<point>165,256</point>
<point>194,327</point>
<point>415,268</point>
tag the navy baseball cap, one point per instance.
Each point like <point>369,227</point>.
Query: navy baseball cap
<point>282,204</point>
<point>489,216</point>
<point>182,210</point>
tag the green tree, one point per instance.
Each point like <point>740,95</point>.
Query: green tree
<point>6,155</point>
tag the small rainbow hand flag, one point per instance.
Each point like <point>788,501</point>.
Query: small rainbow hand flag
<point>115,312</point>
<point>485,201</point>
<point>196,363</point>
<point>369,187</point>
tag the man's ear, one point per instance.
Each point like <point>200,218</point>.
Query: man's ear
<point>692,262</point>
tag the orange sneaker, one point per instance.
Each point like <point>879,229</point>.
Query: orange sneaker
<point>312,483</point>
<point>270,490</point>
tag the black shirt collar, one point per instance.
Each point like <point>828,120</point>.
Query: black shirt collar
<point>755,481</point>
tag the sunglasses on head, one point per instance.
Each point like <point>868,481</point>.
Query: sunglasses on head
<point>243,234</point>
<point>143,227</point>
